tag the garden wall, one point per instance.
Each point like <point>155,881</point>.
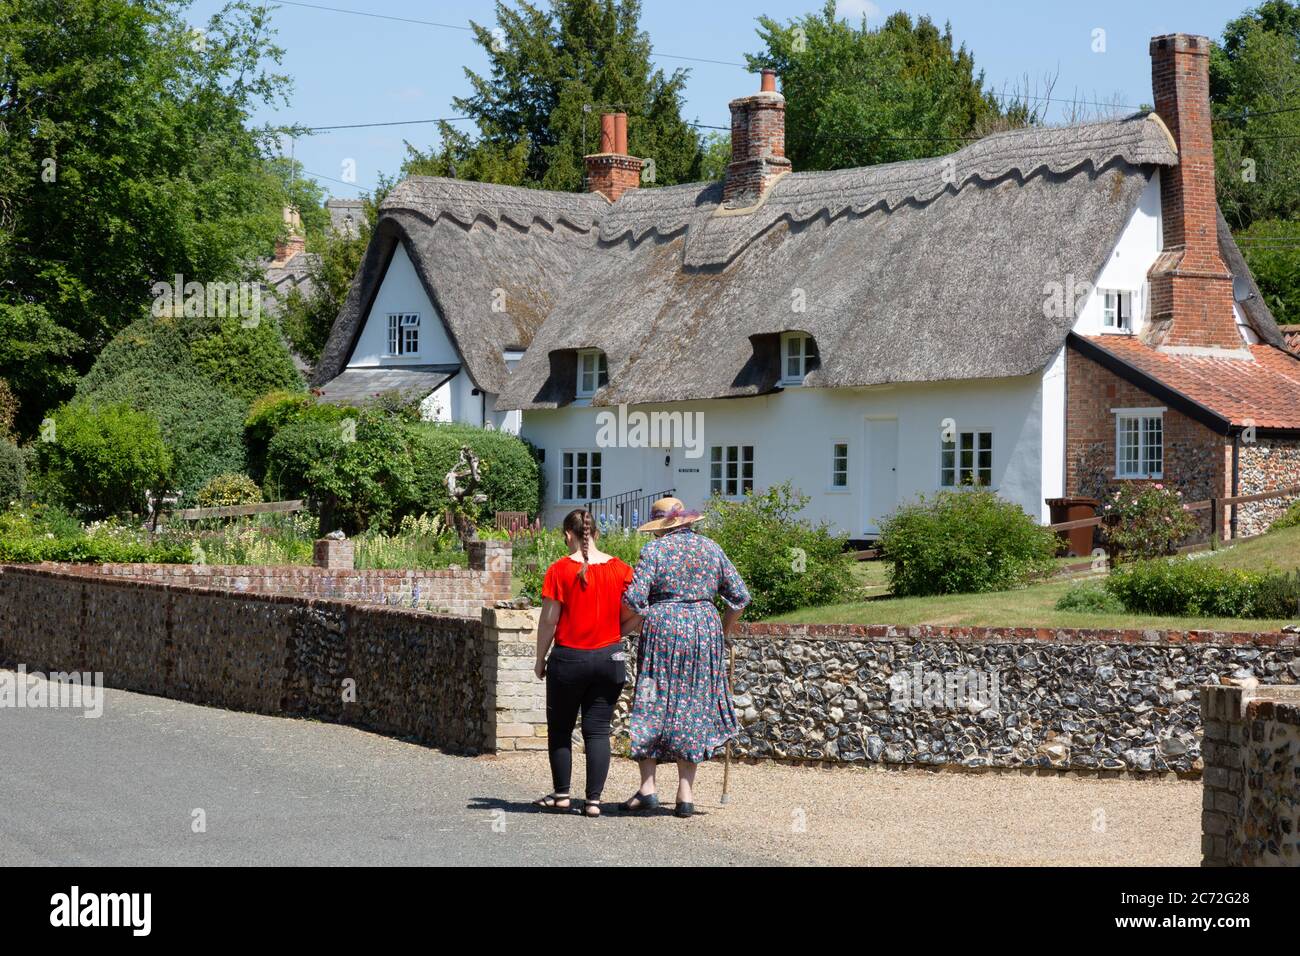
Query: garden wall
<point>974,698</point>
<point>1251,809</point>
<point>397,671</point>
<point>461,591</point>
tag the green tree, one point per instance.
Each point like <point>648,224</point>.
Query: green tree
<point>857,96</point>
<point>553,71</point>
<point>126,156</point>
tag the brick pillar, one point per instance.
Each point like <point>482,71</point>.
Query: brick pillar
<point>335,554</point>
<point>516,698</point>
<point>494,560</point>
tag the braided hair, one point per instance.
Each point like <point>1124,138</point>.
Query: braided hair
<point>578,523</point>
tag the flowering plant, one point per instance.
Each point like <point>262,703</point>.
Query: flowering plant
<point>1145,521</point>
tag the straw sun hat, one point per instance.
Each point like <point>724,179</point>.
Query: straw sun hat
<point>669,513</point>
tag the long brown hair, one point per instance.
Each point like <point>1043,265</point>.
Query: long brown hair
<point>578,523</point>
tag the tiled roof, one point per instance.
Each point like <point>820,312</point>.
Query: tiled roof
<point>1263,389</point>
<point>358,386</point>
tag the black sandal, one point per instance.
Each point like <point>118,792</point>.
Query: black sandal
<point>588,806</point>
<point>684,810</point>
<point>640,801</point>
<point>551,803</point>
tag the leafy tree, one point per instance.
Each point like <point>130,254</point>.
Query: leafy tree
<point>857,96</point>
<point>103,460</point>
<point>246,361</point>
<point>308,318</point>
<point>715,154</point>
<point>125,157</point>
<point>1255,97</point>
<point>552,73</point>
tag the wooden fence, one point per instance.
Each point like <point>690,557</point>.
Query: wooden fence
<point>236,511</point>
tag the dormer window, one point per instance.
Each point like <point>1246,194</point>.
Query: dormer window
<point>798,357</point>
<point>403,333</point>
<point>1116,310</point>
<point>593,372</point>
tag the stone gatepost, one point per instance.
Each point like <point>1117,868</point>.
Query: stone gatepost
<point>516,698</point>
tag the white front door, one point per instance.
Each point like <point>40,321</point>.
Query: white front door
<point>881,471</point>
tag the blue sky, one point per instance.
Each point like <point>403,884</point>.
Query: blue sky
<point>363,69</point>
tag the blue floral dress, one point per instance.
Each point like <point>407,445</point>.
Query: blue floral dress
<point>682,706</point>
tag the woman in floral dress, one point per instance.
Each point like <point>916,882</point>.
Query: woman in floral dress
<point>681,710</point>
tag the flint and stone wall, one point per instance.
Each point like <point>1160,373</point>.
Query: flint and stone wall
<point>1251,808</point>
<point>397,671</point>
<point>1265,465</point>
<point>456,590</point>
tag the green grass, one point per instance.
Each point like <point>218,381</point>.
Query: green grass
<point>1035,606</point>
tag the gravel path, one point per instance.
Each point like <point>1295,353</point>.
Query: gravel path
<point>876,817</point>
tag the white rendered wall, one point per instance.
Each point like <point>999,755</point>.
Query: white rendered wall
<point>793,432</point>
<point>401,291</point>
<point>1126,268</point>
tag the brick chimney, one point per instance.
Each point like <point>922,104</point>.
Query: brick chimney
<point>757,144</point>
<point>612,171</point>
<point>287,248</point>
<point>1191,288</point>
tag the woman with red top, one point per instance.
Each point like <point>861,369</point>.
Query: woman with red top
<point>584,614</point>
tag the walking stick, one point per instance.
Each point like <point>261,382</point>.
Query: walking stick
<point>726,760</point>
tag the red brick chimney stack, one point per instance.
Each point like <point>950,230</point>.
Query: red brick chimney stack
<point>757,144</point>
<point>1191,288</point>
<point>612,172</point>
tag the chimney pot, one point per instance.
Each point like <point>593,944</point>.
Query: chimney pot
<point>620,133</point>
<point>769,81</point>
<point>608,137</point>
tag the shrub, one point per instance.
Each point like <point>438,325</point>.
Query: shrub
<point>228,489</point>
<point>1194,588</point>
<point>510,476</point>
<point>8,410</point>
<point>156,346</point>
<point>786,561</point>
<point>49,533</point>
<point>293,451</point>
<point>963,542</point>
<point>247,362</point>
<point>368,480</point>
<point>1289,519</point>
<point>274,411</point>
<point>104,460</point>
<point>13,472</point>
<point>1145,521</point>
<point>202,426</point>
<point>1091,598</point>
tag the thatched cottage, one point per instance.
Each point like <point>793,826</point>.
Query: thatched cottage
<point>1046,311</point>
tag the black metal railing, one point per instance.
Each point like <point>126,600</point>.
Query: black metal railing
<point>624,511</point>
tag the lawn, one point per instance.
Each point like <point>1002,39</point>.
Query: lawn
<point>1035,606</point>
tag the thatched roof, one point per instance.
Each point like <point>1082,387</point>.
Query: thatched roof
<point>927,270</point>
<point>466,242</point>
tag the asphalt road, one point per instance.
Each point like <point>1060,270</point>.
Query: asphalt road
<point>131,786</point>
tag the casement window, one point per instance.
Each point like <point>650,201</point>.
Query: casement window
<point>593,372</point>
<point>1116,310</point>
<point>1139,443</point>
<point>403,333</point>
<point>580,476</point>
<point>798,357</point>
<point>731,470</point>
<point>839,466</point>
<point>968,460</point>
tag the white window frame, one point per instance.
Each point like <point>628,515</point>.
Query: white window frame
<point>724,461</point>
<point>1138,422</point>
<point>576,474</point>
<point>960,472</point>
<point>831,487</point>
<point>403,334</point>
<point>593,372</point>
<point>1117,316</point>
<point>799,348</point>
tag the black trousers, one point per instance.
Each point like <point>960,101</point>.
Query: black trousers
<point>589,682</point>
